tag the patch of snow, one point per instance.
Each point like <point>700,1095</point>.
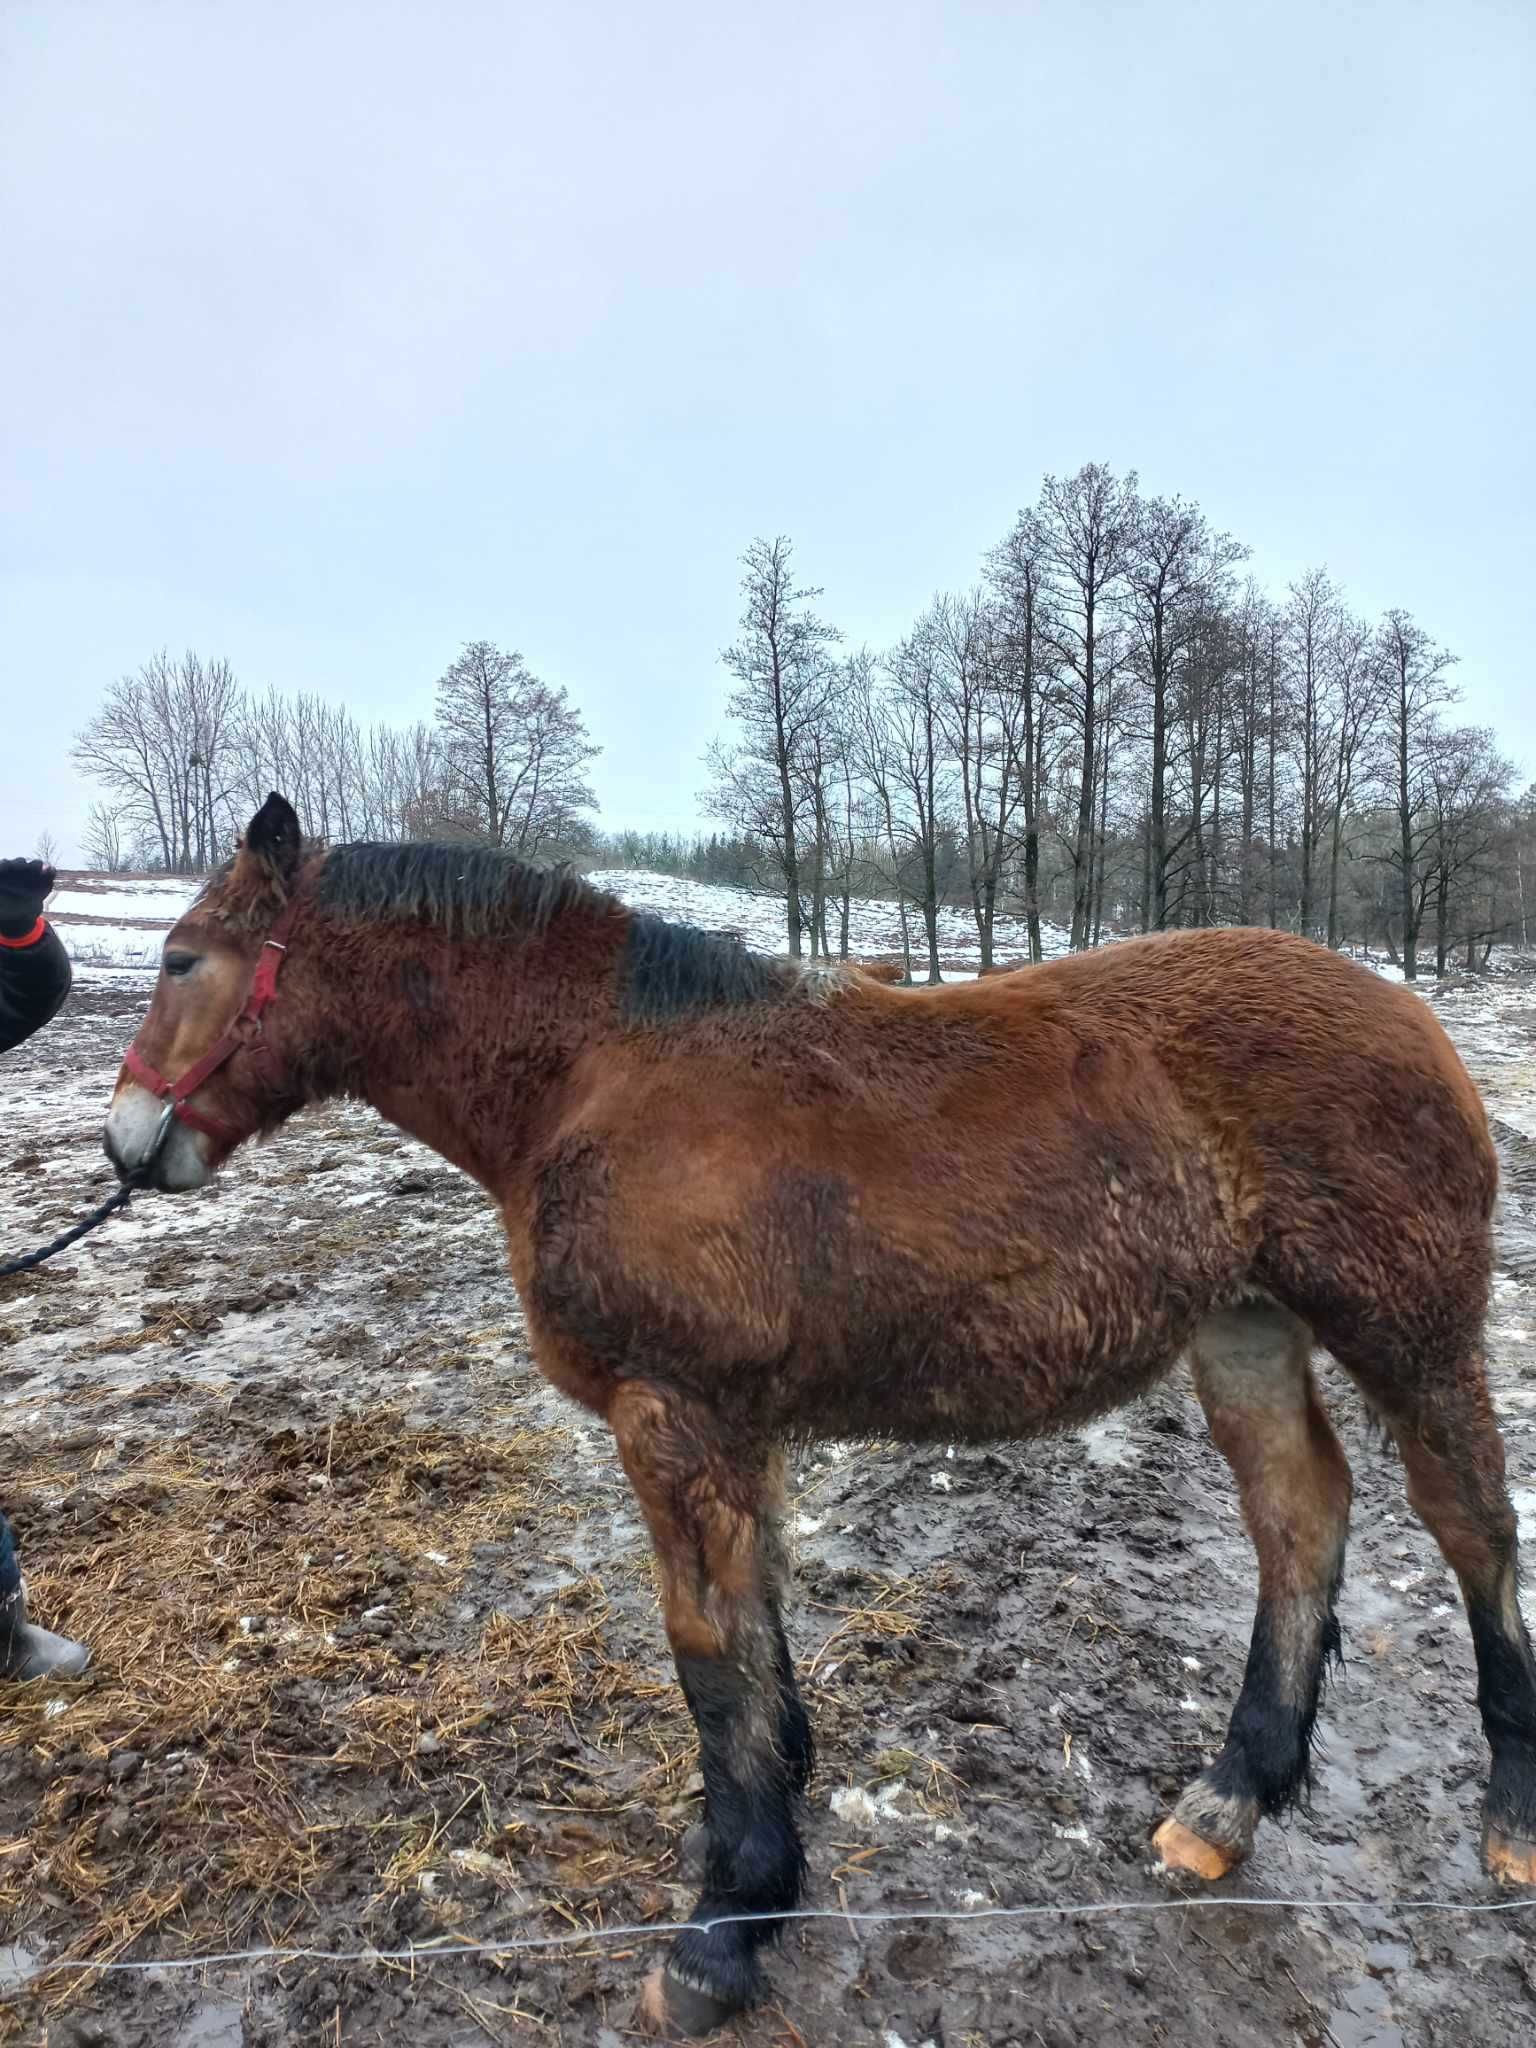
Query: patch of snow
<point>115,946</point>
<point>869,1809</point>
<point>874,926</point>
<point>1107,1442</point>
<point>110,896</point>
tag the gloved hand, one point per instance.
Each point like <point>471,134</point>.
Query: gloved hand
<point>24,884</point>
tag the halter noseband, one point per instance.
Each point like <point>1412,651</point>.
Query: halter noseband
<point>244,1035</point>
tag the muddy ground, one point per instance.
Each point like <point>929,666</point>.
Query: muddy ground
<point>378,1662</point>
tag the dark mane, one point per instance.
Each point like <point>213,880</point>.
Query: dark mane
<point>670,969</point>
<point>481,892</point>
<point>471,892</point>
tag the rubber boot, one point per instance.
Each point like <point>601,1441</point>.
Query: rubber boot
<point>27,1651</point>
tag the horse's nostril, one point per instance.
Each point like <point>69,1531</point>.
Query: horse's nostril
<point>120,1165</point>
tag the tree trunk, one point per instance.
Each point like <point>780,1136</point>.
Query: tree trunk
<point>1213,888</point>
<point>1405,829</point>
<point>1157,912</point>
<point>1274,854</point>
<point>1103,831</point>
<point>1082,890</point>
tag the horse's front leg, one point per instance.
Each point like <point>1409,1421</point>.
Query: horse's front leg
<point>711,1508</point>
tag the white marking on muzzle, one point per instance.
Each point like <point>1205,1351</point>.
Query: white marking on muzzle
<point>132,1123</point>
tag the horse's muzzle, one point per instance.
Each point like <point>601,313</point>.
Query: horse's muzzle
<point>138,1142</point>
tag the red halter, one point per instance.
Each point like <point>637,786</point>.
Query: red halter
<point>244,1035</point>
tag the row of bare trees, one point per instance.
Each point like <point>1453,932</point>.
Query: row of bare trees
<point>185,755</point>
<point>1117,729</point>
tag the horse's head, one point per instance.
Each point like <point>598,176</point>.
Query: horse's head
<point>206,1070</point>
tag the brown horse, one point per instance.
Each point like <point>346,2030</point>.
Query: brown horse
<point>746,1204</point>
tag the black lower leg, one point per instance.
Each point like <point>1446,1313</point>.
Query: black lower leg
<point>1264,1766</point>
<point>1453,1459</point>
<point>796,1743</point>
<point>754,1862</point>
<point>1506,1698</point>
<point>1255,1383</point>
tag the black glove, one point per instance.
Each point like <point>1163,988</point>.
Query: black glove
<point>24,884</point>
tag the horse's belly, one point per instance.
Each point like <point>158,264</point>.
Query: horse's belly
<point>1001,1363</point>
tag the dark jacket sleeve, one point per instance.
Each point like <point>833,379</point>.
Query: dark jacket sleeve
<point>34,980</point>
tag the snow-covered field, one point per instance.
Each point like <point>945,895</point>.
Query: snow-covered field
<point>874,926</point>
<point>110,924</point>
<point>117,896</point>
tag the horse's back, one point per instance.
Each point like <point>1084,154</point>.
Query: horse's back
<point>1365,1139</point>
<point>1348,1141</point>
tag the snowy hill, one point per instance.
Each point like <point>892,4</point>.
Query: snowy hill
<point>113,923</point>
<point>874,926</point>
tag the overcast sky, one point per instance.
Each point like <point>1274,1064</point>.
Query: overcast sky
<point>334,335</point>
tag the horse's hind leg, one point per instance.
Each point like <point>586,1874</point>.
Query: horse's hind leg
<point>711,1510</point>
<point>1254,1379</point>
<point>1453,1460</point>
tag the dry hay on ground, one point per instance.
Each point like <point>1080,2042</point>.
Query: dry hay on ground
<point>292,1728</point>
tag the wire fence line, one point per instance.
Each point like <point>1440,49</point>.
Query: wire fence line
<point>650,1930</point>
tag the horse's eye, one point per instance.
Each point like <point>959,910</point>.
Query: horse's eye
<point>179,963</point>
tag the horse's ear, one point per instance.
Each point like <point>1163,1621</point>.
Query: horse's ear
<point>274,841</point>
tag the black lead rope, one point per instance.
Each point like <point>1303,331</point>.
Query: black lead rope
<point>98,1216</point>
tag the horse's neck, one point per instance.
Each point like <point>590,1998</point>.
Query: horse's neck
<point>467,1045</point>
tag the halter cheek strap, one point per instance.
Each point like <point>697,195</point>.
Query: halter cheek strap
<point>244,1035</point>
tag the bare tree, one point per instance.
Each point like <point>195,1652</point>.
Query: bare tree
<point>162,743</point>
<point>1468,784</point>
<point>514,750</point>
<point>1088,522</point>
<point>1247,724</point>
<point>982,714</point>
<point>1351,711</point>
<point>1019,571</point>
<point>1178,570</point>
<point>873,748</point>
<point>783,668</point>
<point>1308,626</point>
<point>1523,864</point>
<point>844,817</point>
<point>1414,673</point>
<point>921,775</point>
<point>104,838</point>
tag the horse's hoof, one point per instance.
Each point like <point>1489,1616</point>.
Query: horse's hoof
<point>671,2006</point>
<point>1508,1858</point>
<point>1182,1850</point>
